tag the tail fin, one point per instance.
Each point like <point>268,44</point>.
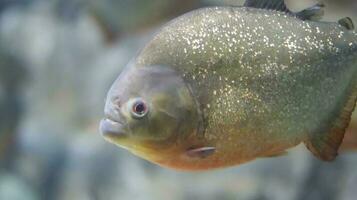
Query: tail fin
<point>325,145</point>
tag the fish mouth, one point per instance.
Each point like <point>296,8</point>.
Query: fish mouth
<point>111,128</point>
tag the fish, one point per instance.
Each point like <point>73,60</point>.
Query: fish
<point>222,86</point>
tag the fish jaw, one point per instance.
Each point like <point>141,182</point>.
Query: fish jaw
<point>112,125</point>
<point>109,128</point>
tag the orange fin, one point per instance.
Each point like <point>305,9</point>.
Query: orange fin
<point>278,154</point>
<point>325,145</point>
<point>349,143</point>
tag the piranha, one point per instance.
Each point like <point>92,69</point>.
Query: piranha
<point>221,86</point>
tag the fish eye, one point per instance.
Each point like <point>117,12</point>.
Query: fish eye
<point>139,108</point>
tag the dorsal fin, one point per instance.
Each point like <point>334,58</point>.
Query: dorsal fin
<point>278,5</point>
<point>313,13</point>
<point>347,23</point>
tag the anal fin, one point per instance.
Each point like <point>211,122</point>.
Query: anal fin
<point>278,154</point>
<point>325,145</point>
<point>349,143</point>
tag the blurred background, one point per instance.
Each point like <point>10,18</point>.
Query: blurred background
<point>57,60</point>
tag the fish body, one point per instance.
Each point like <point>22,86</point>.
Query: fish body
<point>236,84</point>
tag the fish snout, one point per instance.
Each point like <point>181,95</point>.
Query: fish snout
<point>110,128</point>
<point>111,125</point>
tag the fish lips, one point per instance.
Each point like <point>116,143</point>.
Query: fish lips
<point>111,129</point>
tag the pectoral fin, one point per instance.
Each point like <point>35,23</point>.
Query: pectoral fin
<point>325,143</point>
<point>201,152</point>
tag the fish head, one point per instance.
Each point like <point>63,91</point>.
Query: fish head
<point>150,111</point>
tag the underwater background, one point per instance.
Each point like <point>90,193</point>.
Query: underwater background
<point>57,60</point>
